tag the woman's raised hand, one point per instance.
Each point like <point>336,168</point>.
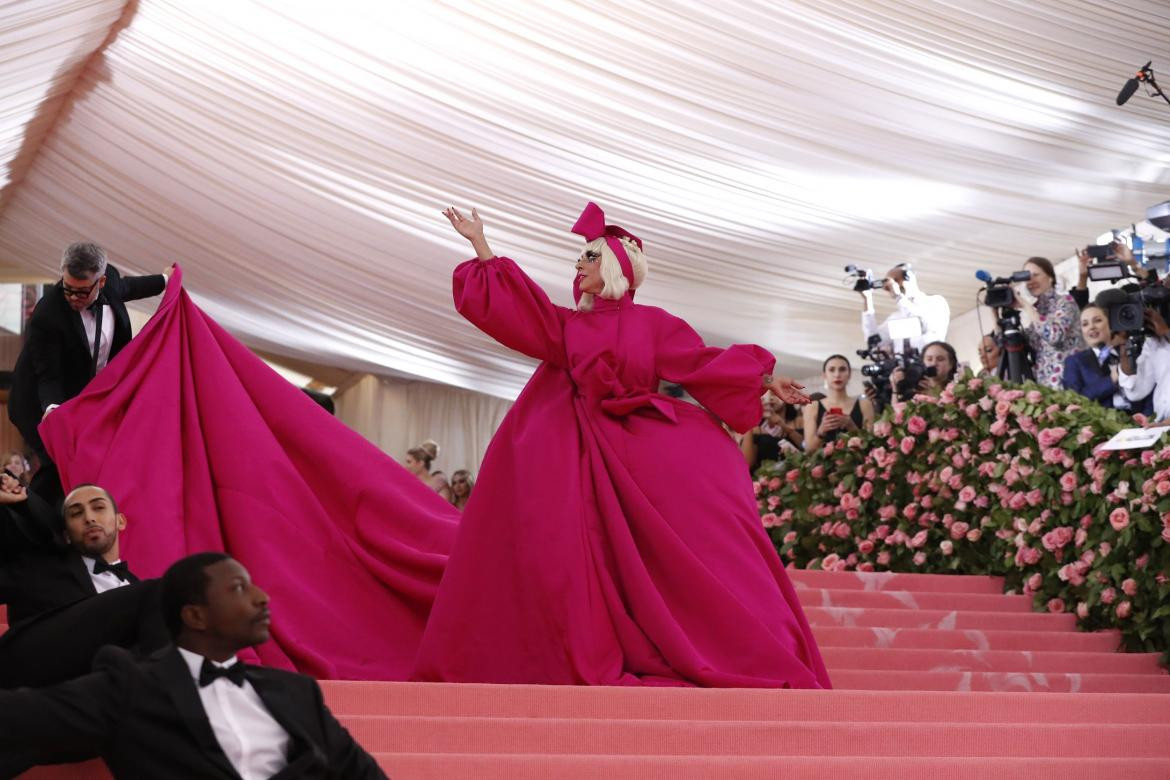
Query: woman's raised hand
<point>471,229</point>
<point>788,390</point>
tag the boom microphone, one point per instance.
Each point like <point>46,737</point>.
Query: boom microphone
<point>1131,86</point>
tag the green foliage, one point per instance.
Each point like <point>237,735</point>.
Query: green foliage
<point>991,479</point>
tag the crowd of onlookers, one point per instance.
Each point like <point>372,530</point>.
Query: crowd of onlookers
<point>457,490</point>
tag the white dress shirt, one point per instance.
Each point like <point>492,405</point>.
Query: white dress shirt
<point>254,743</point>
<point>107,580</point>
<point>1153,373</point>
<point>89,320</point>
<point>932,312</point>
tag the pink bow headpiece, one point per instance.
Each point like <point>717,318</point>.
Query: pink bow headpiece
<point>591,225</point>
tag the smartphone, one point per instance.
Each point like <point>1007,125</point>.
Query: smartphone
<point>836,410</point>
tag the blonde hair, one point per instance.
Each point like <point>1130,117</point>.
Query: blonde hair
<point>425,453</point>
<point>615,283</point>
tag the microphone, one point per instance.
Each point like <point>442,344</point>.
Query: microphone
<point>984,277</point>
<point>1131,86</point>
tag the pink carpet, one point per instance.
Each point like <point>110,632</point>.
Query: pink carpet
<point>971,686</point>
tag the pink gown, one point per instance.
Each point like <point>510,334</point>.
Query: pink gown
<point>613,536</point>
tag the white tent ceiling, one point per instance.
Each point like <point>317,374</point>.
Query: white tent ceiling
<point>294,155</point>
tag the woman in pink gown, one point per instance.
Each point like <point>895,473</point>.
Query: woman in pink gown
<point>613,537</point>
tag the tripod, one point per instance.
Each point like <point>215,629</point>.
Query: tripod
<point>1016,359</point>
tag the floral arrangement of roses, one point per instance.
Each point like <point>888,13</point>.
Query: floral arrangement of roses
<point>990,478</point>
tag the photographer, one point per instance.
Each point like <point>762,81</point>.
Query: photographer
<point>1053,331</point>
<point>1119,251</point>
<point>1093,372</point>
<point>941,365</point>
<point>825,419</point>
<point>1151,374</point>
<point>932,311</point>
<point>777,433</point>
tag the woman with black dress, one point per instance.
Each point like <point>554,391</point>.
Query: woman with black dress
<point>838,411</point>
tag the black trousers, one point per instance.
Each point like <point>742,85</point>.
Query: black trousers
<point>60,645</point>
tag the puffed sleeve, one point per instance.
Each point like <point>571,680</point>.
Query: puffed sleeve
<point>502,301</point>
<point>725,381</point>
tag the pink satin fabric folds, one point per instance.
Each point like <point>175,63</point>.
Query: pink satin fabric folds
<point>206,448</point>
<point>613,537</point>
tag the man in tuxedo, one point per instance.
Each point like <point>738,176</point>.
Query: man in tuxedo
<point>79,325</point>
<point>193,710</point>
<point>67,590</point>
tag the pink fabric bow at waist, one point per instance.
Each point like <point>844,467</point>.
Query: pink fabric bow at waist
<point>628,404</point>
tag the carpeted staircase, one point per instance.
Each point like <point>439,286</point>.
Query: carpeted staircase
<point>936,676</point>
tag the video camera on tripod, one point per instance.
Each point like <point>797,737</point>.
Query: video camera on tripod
<point>1015,362</point>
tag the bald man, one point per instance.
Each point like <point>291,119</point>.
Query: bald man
<point>68,591</point>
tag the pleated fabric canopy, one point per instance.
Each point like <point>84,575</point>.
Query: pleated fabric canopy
<point>295,155</point>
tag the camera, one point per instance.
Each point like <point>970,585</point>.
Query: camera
<point>882,366</point>
<point>1126,309</point>
<point>999,293</point>
<point>861,279</point>
<point>1099,251</point>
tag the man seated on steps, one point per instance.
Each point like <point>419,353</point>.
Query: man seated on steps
<point>193,710</point>
<point>68,593</point>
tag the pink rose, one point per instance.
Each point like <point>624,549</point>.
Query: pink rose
<point>967,494</point>
<point>1119,518</point>
<point>773,502</point>
<point>790,537</point>
<point>883,558</point>
<point>910,511</point>
<point>865,491</point>
<point>919,558</point>
<point>1034,497</point>
<point>1050,437</point>
<point>769,520</point>
<point>1108,596</point>
<point>959,530</point>
<point>866,547</point>
<point>917,540</point>
<point>947,546</point>
<point>1129,587</point>
<point>1035,581</point>
<point>1085,436</point>
<point>774,483</point>
<point>1055,605</point>
<point>830,561</point>
<point>906,445</point>
<point>1123,610</point>
<point>792,475</point>
<point>818,471</point>
<point>998,428</point>
<point>974,535</point>
<point>1082,610</point>
<point>882,428</point>
<point>1034,397</point>
<point>986,446</point>
<point>916,425</point>
<point>1068,481</point>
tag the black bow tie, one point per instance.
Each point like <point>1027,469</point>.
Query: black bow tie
<point>119,569</point>
<point>101,301</point>
<point>209,673</point>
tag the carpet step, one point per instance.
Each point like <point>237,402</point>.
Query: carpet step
<point>580,701</point>
<point>989,661</point>
<point>674,737</point>
<point>1036,682</point>
<point>913,600</point>
<point>513,766</point>
<point>967,639</point>
<point>885,580</point>
<point>944,619</point>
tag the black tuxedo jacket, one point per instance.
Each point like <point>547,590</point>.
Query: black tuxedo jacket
<point>146,720</point>
<point>38,572</point>
<point>56,362</point>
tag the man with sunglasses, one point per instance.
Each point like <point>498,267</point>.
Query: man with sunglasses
<point>79,325</point>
